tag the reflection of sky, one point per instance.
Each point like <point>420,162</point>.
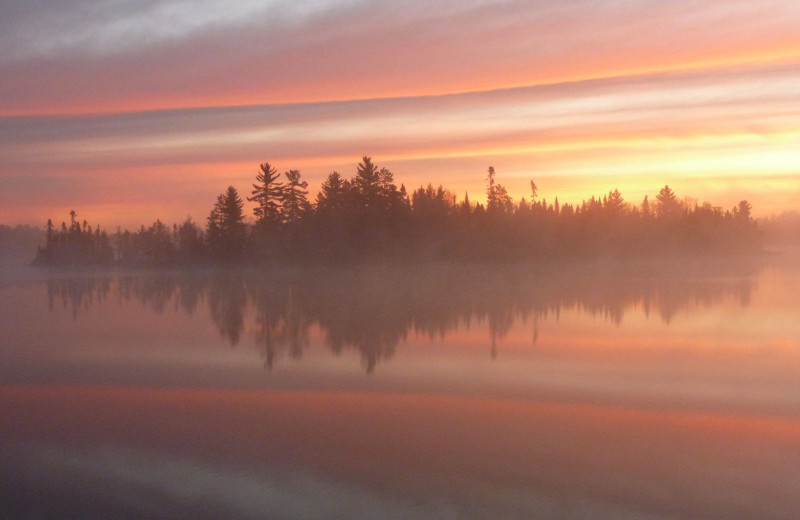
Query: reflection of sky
<point>160,485</point>
<point>681,402</point>
<point>178,100</point>
<point>239,452</point>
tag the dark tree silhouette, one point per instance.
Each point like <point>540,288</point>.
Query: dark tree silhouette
<point>646,210</point>
<point>226,231</point>
<point>333,195</point>
<point>368,183</point>
<point>497,199</point>
<point>668,204</point>
<point>268,195</point>
<point>742,210</point>
<point>156,245</point>
<point>294,201</point>
<point>615,205</point>
<point>189,243</point>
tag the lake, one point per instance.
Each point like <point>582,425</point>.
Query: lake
<point>482,392</point>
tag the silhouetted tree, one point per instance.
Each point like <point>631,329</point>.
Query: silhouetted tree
<point>743,210</point>
<point>368,183</point>
<point>490,188</point>
<point>497,199</point>
<point>268,195</point>
<point>226,230</point>
<point>646,211</point>
<point>668,204</point>
<point>432,206</point>
<point>615,205</point>
<point>294,200</point>
<point>466,207</point>
<point>189,242</point>
<point>155,244</point>
<point>332,197</point>
<point>49,233</point>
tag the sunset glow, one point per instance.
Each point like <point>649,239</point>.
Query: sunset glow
<point>149,111</point>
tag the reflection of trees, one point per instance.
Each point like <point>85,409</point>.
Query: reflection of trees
<point>500,322</point>
<point>269,304</point>
<point>154,292</point>
<point>189,296</point>
<point>371,321</point>
<point>77,294</point>
<point>226,303</point>
<point>348,315</point>
<point>281,322</point>
<point>371,310</point>
<point>158,292</point>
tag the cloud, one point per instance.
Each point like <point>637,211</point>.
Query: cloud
<point>108,27</point>
<point>659,109</point>
<point>85,58</point>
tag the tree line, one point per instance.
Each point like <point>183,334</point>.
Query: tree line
<point>367,216</point>
<point>76,244</point>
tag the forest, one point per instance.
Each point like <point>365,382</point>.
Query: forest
<point>368,217</point>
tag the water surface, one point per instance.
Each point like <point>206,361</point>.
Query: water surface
<point>437,392</point>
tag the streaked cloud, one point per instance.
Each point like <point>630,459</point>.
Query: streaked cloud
<point>171,53</point>
<point>109,27</point>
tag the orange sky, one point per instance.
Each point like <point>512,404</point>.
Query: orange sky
<point>128,114</point>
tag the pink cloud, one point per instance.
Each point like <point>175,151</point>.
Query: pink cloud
<point>383,51</point>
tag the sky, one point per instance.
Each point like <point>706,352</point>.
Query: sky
<point>132,111</point>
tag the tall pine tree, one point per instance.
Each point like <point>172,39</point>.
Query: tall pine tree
<point>268,195</point>
<point>294,197</point>
<point>226,229</point>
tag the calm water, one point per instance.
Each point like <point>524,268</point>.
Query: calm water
<point>611,393</point>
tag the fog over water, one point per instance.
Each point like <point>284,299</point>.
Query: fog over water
<point>442,391</point>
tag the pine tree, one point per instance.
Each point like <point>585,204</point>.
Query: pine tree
<point>268,195</point>
<point>668,204</point>
<point>497,198</point>
<point>50,236</point>
<point>646,207</point>
<point>466,207</point>
<point>294,197</point>
<point>332,195</point>
<point>742,211</point>
<point>614,203</point>
<point>368,182</point>
<point>491,194</point>
<point>226,230</point>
